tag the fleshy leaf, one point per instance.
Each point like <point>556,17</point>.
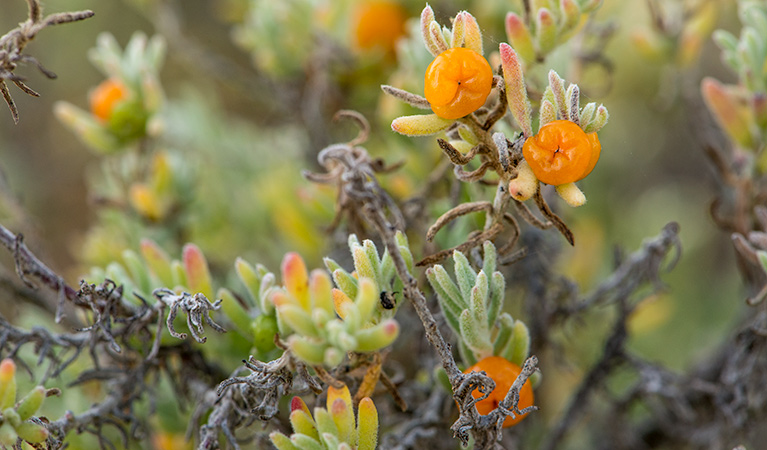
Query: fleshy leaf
<point>519,347</point>
<point>378,336</point>
<point>320,288</point>
<point>731,116</point>
<point>472,34</point>
<point>505,331</point>
<point>305,442</point>
<point>158,261</point>
<point>557,86</point>
<point>236,313</point>
<point>474,338</point>
<point>310,352</point>
<point>303,423</point>
<point>295,278</point>
<point>571,15</point>
<point>196,268</point>
<point>516,91</point>
<point>367,424</point>
<point>281,441</point>
<point>600,120</point>
<point>367,299</point>
<point>250,278</point>
<point>339,404</point>
<point>519,37</point>
<point>458,30</point>
<point>298,319</point>
<point>546,31</point>
<point>427,18</point>
<point>464,274</point>
<point>420,125</point>
<point>7,383</point>
<point>571,194</point>
<point>325,422</point>
<point>346,282</point>
<point>341,302</point>
<point>31,402</point>
<point>495,301</point>
<point>32,432</point>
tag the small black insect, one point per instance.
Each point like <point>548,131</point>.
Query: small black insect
<point>387,300</point>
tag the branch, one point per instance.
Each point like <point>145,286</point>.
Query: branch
<point>12,48</point>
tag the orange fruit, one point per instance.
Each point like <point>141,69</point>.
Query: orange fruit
<point>106,96</point>
<point>378,24</point>
<point>457,82</point>
<point>561,152</point>
<point>503,372</point>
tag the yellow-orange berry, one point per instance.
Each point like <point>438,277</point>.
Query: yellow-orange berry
<point>457,82</point>
<point>106,96</point>
<point>503,372</point>
<point>378,24</point>
<point>561,152</point>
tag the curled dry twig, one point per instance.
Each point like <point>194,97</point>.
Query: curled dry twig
<point>353,170</point>
<point>12,49</point>
<point>238,400</point>
<point>197,308</point>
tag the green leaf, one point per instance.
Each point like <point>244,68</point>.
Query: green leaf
<point>464,274</point>
<point>497,294</point>
<point>325,422</point>
<point>234,311</point>
<point>310,352</point>
<point>378,336</point>
<point>449,296</point>
<point>304,442</point>
<point>519,347</point>
<point>490,257</point>
<point>32,432</point>
<point>516,90</point>
<point>477,341</point>
<point>158,261</point>
<point>249,277</point>
<point>545,30</point>
<point>197,273</point>
<point>505,331</point>
<point>375,260</point>
<point>31,402</point>
<point>520,37</point>
<point>345,282</point>
<point>367,299</point>
<point>478,302</point>
<point>298,319</point>
<point>367,420</point>
<point>420,125</point>
<point>302,423</point>
<point>281,441</point>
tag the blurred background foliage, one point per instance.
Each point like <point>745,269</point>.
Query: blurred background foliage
<point>259,122</point>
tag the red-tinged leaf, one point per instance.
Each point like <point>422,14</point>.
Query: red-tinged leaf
<point>295,278</point>
<point>516,91</point>
<point>197,272</point>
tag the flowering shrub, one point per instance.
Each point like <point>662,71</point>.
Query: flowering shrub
<point>408,270</point>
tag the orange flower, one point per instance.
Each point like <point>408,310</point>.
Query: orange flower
<point>379,23</point>
<point>503,372</point>
<point>106,96</point>
<point>457,82</point>
<point>562,152</point>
